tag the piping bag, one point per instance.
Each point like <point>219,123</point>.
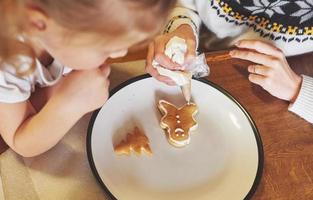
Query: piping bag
<point>197,67</point>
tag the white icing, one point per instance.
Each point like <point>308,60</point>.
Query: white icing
<point>175,50</point>
<point>178,130</point>
<point>179,77</point>
<point>179,143</point>
<point>174,142</point>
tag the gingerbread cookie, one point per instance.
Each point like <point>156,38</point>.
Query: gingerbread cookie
<point>178,122</point>
<point>137,142</point>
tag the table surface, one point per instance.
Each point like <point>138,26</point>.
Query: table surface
<point>287,139</point>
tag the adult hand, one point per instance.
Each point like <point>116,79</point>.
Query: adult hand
<point>271,71</point>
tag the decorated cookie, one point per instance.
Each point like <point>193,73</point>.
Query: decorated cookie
<point>178,122</point>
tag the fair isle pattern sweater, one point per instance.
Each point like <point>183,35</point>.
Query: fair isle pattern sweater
<point>286,24</point>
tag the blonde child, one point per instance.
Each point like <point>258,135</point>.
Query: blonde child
<point>264,32</point>
<point>39,37</point>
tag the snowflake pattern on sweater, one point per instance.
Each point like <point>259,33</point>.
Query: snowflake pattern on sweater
<point>276,19</point>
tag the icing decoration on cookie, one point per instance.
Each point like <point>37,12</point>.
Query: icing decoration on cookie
<point>178,122</point>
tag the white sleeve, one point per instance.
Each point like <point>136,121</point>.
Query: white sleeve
<point>303,106</point>
<point>184,13</point>
<point>13,89</point>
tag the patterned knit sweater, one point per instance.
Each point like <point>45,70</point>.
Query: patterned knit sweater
<point>286,24</point>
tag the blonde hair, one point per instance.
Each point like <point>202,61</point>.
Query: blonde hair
<point>12,24</point>
<point>119,17</point>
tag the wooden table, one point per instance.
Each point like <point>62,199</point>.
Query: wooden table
<point>287,139</point>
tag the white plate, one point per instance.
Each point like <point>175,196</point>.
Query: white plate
<point>224,159</point>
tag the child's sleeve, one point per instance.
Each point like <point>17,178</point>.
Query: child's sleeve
<point>184,13</point>
<point>303,106</point>
<point>13,89</point>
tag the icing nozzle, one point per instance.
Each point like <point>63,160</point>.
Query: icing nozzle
<point>176,49</point>
<point>186,90</point>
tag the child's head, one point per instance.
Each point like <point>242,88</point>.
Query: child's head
<point>80,33</point>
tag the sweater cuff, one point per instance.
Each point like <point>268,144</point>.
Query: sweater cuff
<point>303,106</point>
<point>181,15</point>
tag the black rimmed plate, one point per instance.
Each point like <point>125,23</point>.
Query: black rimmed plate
<point>224,159</point>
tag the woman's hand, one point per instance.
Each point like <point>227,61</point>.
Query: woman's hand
<point>157,48</point>
<point>271,71</point>
<point>85,90</point>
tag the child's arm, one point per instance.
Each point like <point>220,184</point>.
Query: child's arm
<point>272,72</point>
<point>30,133</point>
